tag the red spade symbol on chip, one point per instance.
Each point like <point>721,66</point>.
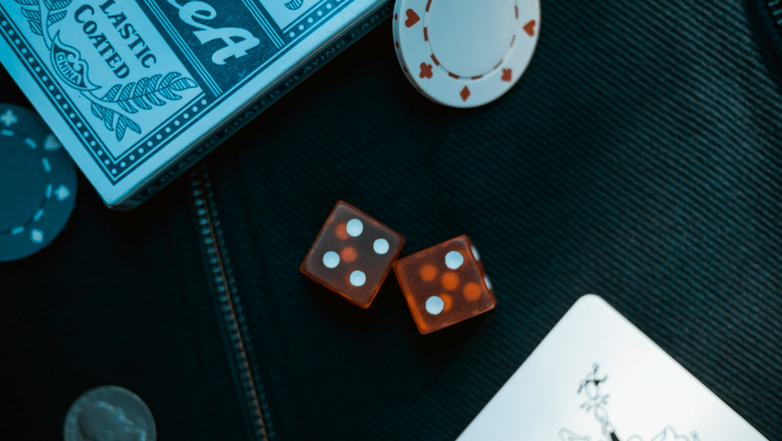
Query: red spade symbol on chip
<point>412,18</point>
<point>506,74</point>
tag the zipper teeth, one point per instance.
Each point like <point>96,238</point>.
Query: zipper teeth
<point>228,301</point>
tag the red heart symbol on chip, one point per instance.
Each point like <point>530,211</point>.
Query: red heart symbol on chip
<point>529,28</point>
<point>412,18</point>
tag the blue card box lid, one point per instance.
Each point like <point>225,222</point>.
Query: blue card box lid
<point>139,90</point>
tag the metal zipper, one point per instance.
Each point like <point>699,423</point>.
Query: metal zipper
<point>229,309</point>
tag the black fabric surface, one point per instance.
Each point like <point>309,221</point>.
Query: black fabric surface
<point>638,158</point>
<point>117,299</point>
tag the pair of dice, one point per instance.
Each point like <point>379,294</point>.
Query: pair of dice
<point>443,285</point>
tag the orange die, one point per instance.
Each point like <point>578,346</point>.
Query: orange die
<point>445,284</point>
<point>352,254</point>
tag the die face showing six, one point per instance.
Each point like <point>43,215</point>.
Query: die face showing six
<point>352,254</point>
<point>445,284</point>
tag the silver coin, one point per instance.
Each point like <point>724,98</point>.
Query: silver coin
<point>109,413</point>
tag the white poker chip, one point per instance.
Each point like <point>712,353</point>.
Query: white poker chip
<point>465,53</point>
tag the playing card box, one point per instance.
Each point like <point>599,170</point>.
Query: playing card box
<point>139,90</point>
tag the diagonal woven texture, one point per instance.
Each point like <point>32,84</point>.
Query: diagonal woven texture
<point>638,158</point>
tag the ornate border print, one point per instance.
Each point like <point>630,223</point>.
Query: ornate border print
<point>129,76</point>
<point>67,63</point>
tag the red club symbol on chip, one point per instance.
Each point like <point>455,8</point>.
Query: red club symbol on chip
<point>529,28</point>
<point>426,71</point>
<point>506,74</point>
<point>412,18</point>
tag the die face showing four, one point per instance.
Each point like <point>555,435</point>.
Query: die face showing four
<point>352,254</point>
<point>445,284</point>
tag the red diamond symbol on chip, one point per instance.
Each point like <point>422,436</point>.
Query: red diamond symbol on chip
<point>465,93</point>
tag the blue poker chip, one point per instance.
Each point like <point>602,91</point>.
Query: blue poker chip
<point>37,184</point>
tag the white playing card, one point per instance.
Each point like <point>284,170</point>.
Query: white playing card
<point>596,377</point>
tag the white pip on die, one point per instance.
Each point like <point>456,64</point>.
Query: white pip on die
<point>353,254</point>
